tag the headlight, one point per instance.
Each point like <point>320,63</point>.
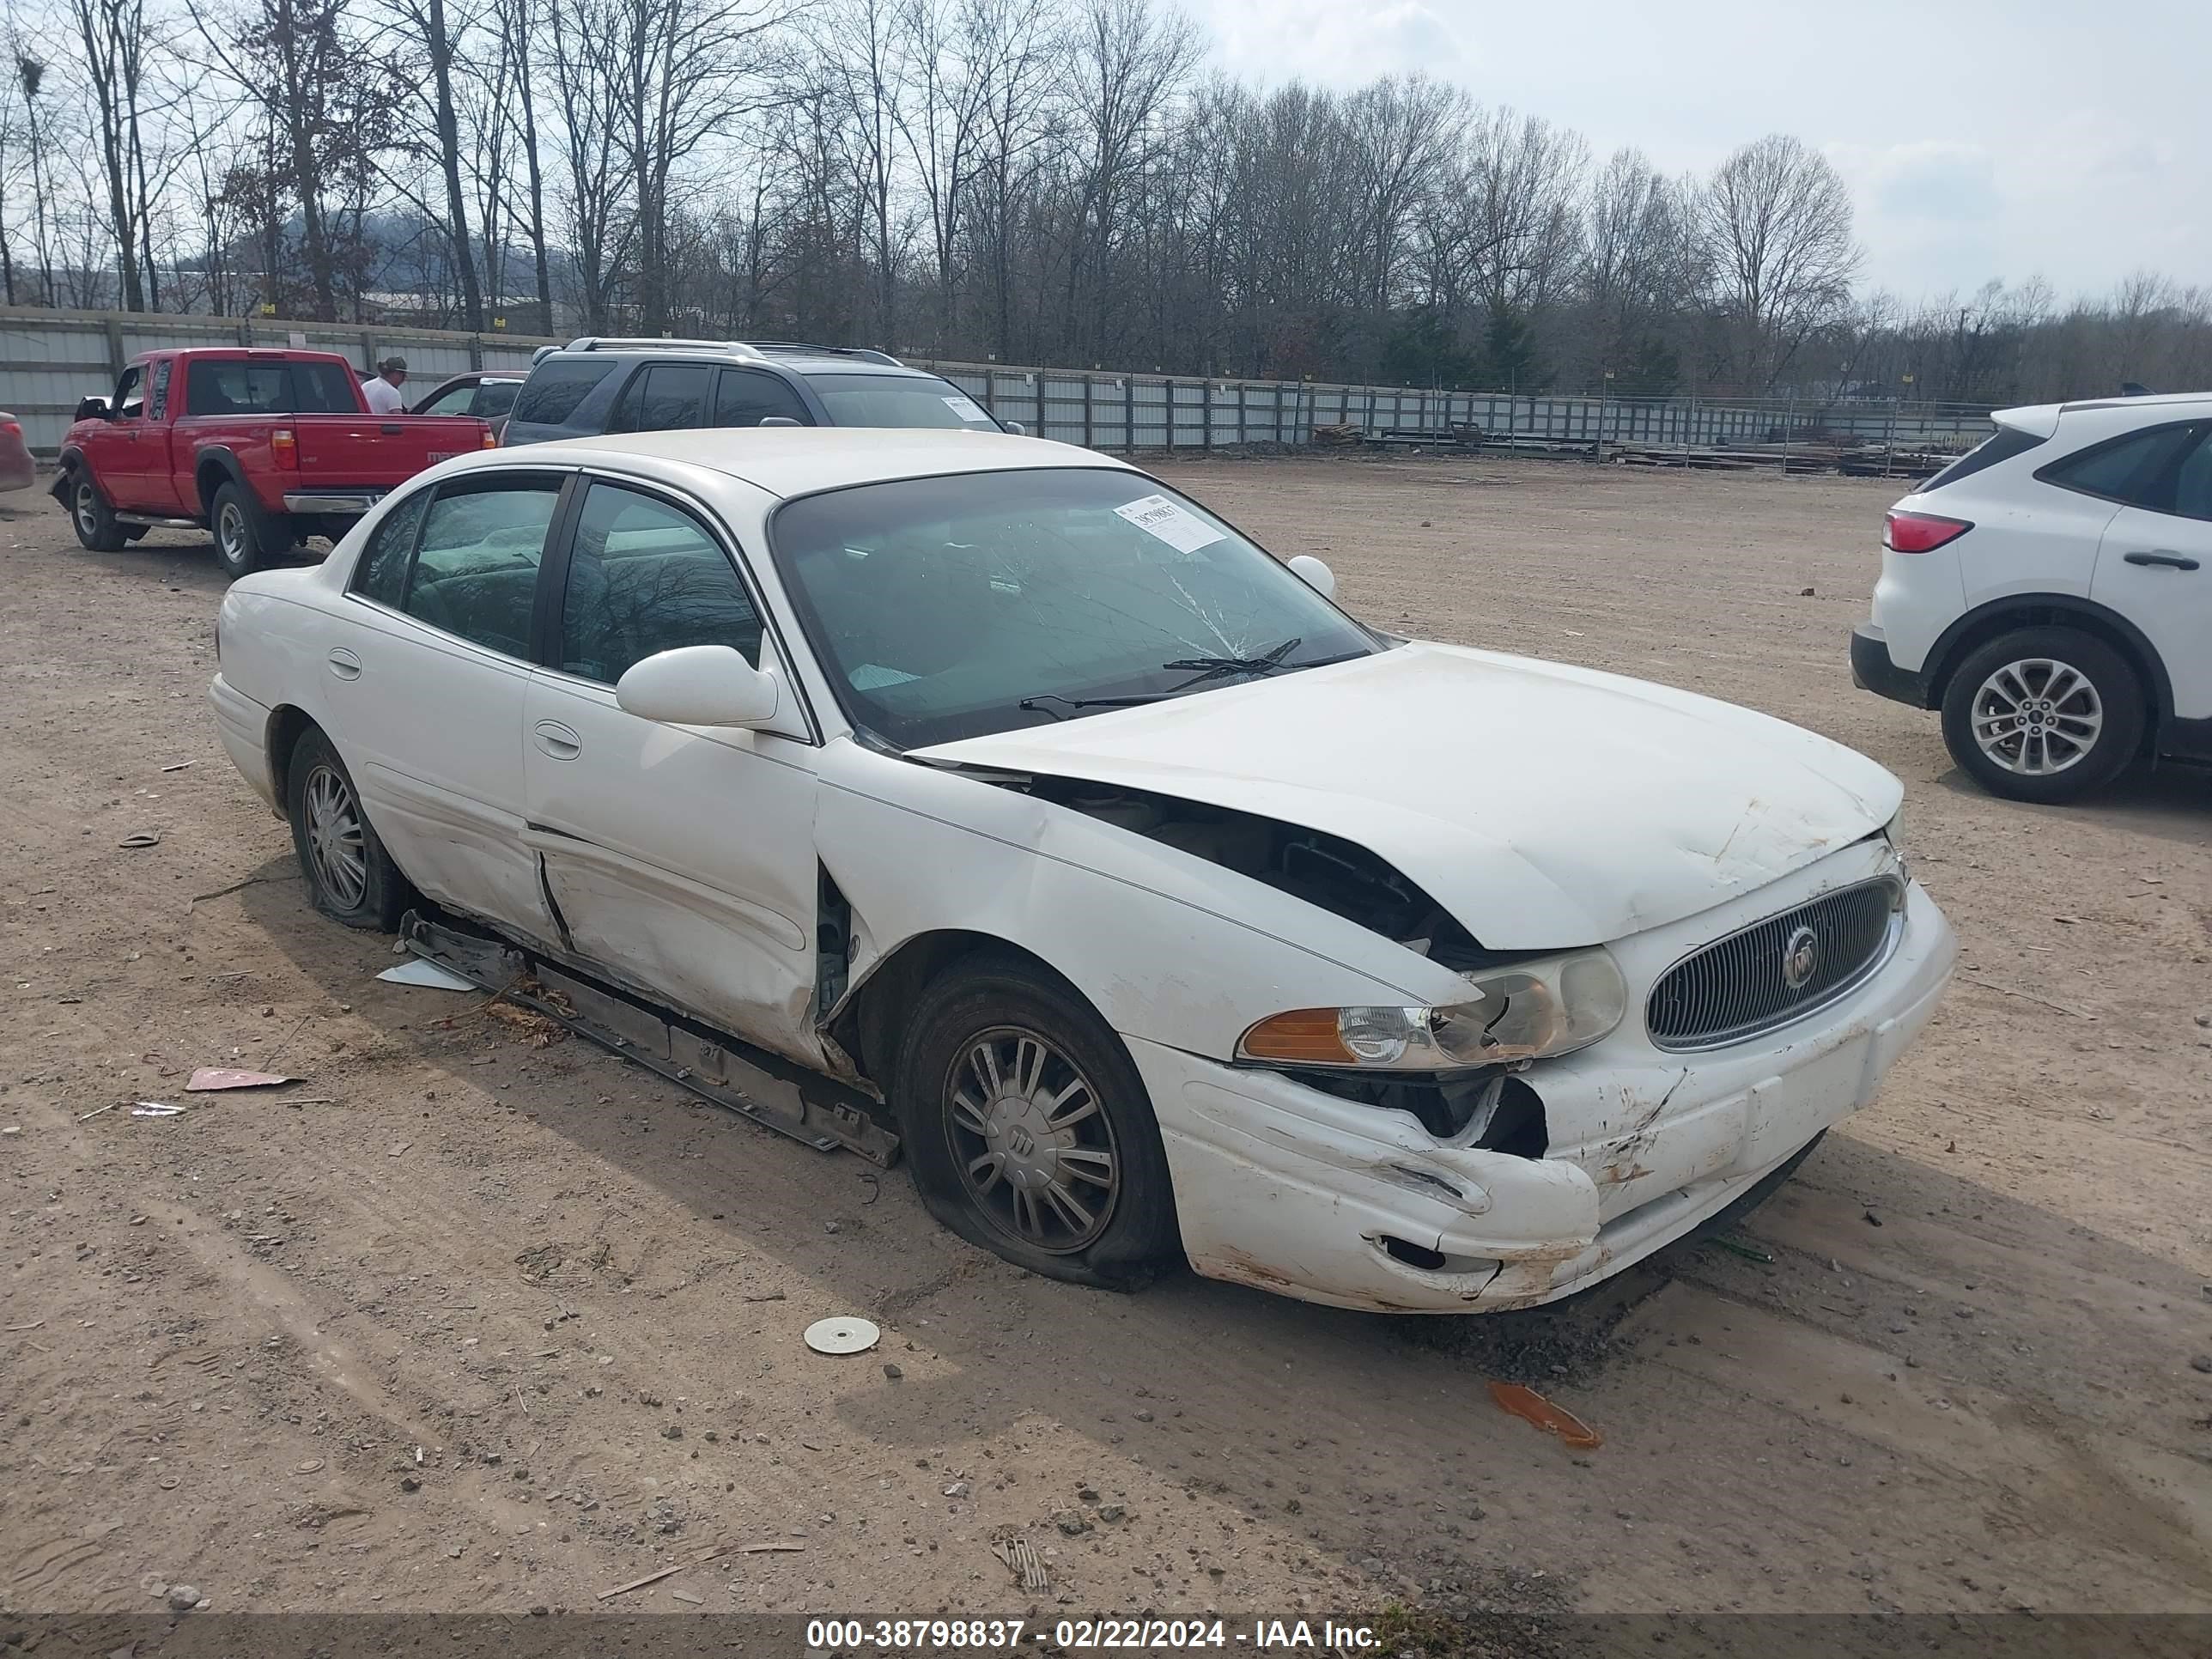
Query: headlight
<point>1525,1011</point>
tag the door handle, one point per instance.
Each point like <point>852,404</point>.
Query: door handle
<point>558,740</point>
<point>392,428</point>
<point>2162,555</point>
<point>345,664</point>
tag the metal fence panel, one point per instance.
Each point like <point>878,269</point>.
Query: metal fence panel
<point>49,360</point>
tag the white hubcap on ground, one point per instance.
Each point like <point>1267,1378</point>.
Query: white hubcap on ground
<point>2037,716</point>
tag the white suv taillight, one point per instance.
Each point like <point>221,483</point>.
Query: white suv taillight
<point>1920,533</point>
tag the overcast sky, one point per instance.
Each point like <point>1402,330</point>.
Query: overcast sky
<point>1979,139</point>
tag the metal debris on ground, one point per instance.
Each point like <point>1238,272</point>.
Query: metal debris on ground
<point>773,1549</point>
<point>1749,1252</point>
<point>144,838</point>
<point>423,972</point>
<point>179,766</point>
<point>1533,1409</point>
<point>210,1077</point>
<point>156,1109</point>
<point>845,1334</point>
<point>1022,1560</point>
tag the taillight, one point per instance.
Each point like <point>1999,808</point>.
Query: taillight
<point>285,449</point>
<point>1920,533</point>
<point>490,439</point>
<point>11,428</point>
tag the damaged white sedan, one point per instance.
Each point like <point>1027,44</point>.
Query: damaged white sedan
<point>989,802</point>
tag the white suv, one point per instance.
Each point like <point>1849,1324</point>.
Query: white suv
<point>2049,593</point>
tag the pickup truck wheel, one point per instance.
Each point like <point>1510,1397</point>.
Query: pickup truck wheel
<point>350,876</point>
<point>1028,1128</point>
<point>2044,715</point>
<point>238,532</point>
<point>91,517</point>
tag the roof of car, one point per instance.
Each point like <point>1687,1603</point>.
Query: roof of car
<point>789,461</point>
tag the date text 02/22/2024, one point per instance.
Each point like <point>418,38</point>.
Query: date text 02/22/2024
<point>1086,1635</point>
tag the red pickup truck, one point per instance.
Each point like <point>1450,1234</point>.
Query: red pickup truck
<point>263,447</point>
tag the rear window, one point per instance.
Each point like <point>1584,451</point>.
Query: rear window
<point>898,400</point>
<point>323,389</point>
<point>244,386</point>
<point>2137,469</point>
<point>556,387</point>
<point>2000,446</point>
<point>495,398</point>
<point>236,386</point>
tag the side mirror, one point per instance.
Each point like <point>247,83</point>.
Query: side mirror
<point>92,409</point>
<point>697,685</point>
<point>1316,574</point>
<point>779,420</point>
<point>1017,429</point>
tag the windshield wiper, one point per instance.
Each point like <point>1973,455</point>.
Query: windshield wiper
<point>1214,667</point>
<point>1207,668</point>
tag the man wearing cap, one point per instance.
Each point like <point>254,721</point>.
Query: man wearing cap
<point>383,391</point>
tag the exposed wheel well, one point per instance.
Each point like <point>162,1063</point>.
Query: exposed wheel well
<point>211,476</point>
<point>867,1026</point>
<point>286,727</point>
<point>1972,631</point>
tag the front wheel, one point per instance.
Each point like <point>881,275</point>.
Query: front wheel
<point>2044,715</point>
<point>1028,1128</point>
<point>350,876</point>
<point>92,518</point>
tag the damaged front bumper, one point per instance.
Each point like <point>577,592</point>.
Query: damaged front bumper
<point>1280,1186</point>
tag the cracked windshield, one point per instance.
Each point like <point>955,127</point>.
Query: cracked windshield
<point>946,608</point>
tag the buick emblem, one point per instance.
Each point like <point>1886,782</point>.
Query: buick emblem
<point>1021,1141</point>
<point>1800,959</point>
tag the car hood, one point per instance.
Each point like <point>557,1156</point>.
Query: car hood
<point>1545,806</point>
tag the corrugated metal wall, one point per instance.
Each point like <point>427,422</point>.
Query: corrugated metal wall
<point>49,360</point>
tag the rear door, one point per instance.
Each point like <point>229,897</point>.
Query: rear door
<point>664,398</point>
<point>681,858</point>
<point>425,697</point>
<point>2154,567</point>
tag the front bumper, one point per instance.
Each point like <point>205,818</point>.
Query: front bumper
<point>1282,1186</point>
<point>1873,671</point>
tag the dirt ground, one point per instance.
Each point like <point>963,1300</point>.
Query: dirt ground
<point>462,1321</point>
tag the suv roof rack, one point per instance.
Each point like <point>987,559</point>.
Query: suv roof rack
<point>863,352</point>
<point>656,343</point>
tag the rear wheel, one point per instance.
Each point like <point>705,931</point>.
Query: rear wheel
<point>2044,715</point>
<point>239,535</point>
<point>351,876</point>
<point>1028,1128</point>
<point>91,517</point>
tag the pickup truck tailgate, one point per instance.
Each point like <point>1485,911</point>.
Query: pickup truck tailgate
<point>368,451</point>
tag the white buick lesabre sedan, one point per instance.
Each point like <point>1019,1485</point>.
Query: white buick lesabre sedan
<point>989,801</point>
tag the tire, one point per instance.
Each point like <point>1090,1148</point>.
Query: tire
<point>351,877</point>
<point>2058,749</point>
<point>91,517</point>
<point>241,539</point>
<point>1036,1030</point>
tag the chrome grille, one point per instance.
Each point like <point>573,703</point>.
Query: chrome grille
<point>1777,970</point>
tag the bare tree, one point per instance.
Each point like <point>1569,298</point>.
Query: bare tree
<point>1127,64</point>
<point>1779,219</point>
<point>116,38</point>
<point>432,39</point>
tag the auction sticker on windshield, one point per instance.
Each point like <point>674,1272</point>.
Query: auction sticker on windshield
<point>1177,526</point>
<point>966,408</point>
